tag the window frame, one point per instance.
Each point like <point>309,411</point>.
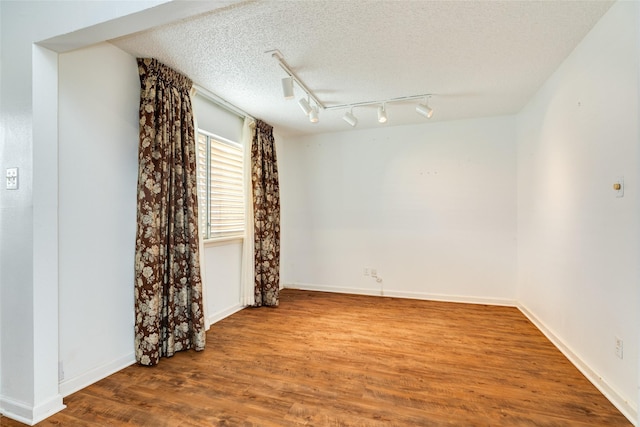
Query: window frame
<point>207,237</point>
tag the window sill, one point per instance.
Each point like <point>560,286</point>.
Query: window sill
<point>220,241</point>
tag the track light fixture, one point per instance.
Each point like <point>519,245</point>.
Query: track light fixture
<point>313,115</point>
<point>350,118</point>
<point>382,114</point>
<point>287,87</point>
<point>304,104</point>
<point>424,109</point>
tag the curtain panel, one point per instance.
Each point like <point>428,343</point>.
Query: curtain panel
<point>168,286</point>
<point>266,211</point>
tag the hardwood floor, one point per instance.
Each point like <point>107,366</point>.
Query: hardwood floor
<point>325,359</point>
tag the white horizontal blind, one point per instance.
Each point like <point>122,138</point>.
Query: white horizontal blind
<point>224,187</point>
<point>203,184</point>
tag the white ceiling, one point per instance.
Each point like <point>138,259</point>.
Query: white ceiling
<point>477,58</point>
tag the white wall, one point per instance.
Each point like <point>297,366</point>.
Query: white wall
<point>578,244</point>
<point>1,210</point>
<point>98,145</point>
<point>215,119</point>
<point>222,272</point>
<point>431,207</point>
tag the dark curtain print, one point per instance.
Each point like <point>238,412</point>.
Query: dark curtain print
<point>168,286</point>
<point>266,211</point>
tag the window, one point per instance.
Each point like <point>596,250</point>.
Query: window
<point>220,186</point>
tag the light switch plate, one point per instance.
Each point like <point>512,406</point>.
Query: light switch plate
<point>12,178</point>
<point>620,192</point>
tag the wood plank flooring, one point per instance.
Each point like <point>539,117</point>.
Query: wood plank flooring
<point>325,359</point>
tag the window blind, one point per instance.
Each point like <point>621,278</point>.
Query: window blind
<point>203,184</point>
<point>222,181</point>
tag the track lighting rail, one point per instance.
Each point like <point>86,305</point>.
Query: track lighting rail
<point>380,102</point>
<point>312,111</point>
<point>283,64</point>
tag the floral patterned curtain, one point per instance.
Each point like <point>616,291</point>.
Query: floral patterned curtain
<point>168,287</point>
<point>266,211</point>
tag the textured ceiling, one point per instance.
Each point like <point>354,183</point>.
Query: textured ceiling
<point>477,58</point>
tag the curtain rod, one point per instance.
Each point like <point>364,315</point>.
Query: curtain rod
<point>221,102</point>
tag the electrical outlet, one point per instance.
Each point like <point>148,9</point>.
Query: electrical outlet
<point>619,348</point>
<point>366,272</point>
<point>374,272</point>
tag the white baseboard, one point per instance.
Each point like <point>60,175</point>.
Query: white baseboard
<point>628,408</point>
<point>216,317</point>
<point>332,289</point>
<point>71,385</point>
<point>31,415</point>
<point>403,294</point>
